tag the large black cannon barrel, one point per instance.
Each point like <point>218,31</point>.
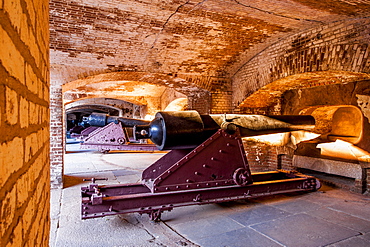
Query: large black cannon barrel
<point>188,129</point>
<point>102,119</point>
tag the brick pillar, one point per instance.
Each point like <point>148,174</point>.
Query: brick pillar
<point>363,185</point>
<point>24,123</point>
<point>56,136</point>
<point>222,102</point>
<point>286,162</point>
<point>199,101</point>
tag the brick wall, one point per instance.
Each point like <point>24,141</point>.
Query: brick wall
<point>261,157</point>
<point>199,101</point>
<point>24,118</point>
<point>342,46</point>
<point>56,137</point>
<point>221,96</point>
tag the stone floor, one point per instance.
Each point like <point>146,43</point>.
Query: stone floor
<point>329,217</point>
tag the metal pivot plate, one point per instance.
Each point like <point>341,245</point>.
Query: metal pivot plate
<point>211,164</point>
<point>109,134</point>
<point>241,176</point>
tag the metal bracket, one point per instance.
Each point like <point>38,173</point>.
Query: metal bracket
<point>93,187</point>
<point>97,199</point>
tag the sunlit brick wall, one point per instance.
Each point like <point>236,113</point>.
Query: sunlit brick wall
<point>340,46</point>
<point>24,117</point>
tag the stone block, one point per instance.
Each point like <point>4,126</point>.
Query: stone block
<point>31,79</point>
<point>33,114</point>
<point>29,213</point>
<point>11,158</point>
<point>23,112</point>
<point>23,185</point>
<point>17,235</point>
<point>341,168</point>
<point>14,9</point>
<point>31,146</point>
<point>11,106</point>
<point>7,211</point>
<point>10,56</point>
<point>31,11</point>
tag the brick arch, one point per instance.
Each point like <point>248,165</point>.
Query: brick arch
<point>198,96</point>
<point>124,108</point>
<point>138,102</point>
<point>82,98</point>
<point>269,99</point>
<point>339,46</point>
<point>84,105</point>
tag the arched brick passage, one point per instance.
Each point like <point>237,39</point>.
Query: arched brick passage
<point>119,107</point>
<point>339,46</point>
<point>143,88</point>
<point>270,98</point>
<point>150,84</point>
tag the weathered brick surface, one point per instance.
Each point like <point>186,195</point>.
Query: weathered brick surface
<point>339,46</point>
<point>56,137</point>
<point>24,117</point>
<point>260,157</point>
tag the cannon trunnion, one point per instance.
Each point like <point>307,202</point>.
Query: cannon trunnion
<point>215,170</point>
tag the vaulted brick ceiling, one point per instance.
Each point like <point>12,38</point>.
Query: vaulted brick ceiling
<point>197,37</point>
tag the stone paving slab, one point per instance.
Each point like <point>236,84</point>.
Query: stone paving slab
<point>342,219</point>
<point>191,213</point>
<point>258,214</point>
<point>304,231</point>
<point>352,242</point>
<point>298,206</point>
<point>366,236</point>
<point>360,209</point>
<point>243,237</point>
<point>208,227</point>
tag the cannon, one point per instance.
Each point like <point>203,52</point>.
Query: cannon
<point>108,133</point>
<point>206,164</point>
